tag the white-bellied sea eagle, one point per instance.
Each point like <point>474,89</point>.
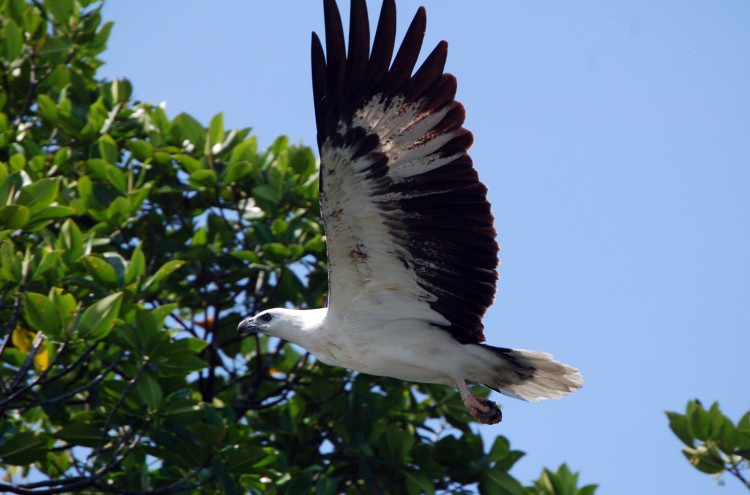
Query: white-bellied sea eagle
<point>412,255</point>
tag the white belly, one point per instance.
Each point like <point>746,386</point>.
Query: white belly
<point>408,350</point>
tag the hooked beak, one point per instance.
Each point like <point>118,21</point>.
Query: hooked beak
<point>247,327</point>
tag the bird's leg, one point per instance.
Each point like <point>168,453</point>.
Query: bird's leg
<point>484,410</point>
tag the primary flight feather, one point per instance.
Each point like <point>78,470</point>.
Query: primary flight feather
<point>412,255</point>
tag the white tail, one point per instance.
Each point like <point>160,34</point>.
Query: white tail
<point>530,375</point>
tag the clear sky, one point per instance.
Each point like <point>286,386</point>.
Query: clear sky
<point>614,138</point>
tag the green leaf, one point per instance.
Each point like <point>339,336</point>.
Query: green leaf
<point>276,251</point>
<point>47,108</point>
<point>161,312</point>
<point>62,156</point>
<point>137,266</point>
<point>216,129</point>
<point>498,481</point>
<point>120,89</point>
<point>418,483</point>
<point>246,151</point>
<point>61,10</point>
<point>189,163</point>
<point>10,184</point>
<point>163,272</point>
<point>80,433</point>
<point>395,444</point>
<point>189,344</point>
<point>71,242</point>
<point>149,391</point>
<point>99,318</point>
<point>12,40</point>
<point>23,448</point>
<point>41,314</point>
<point>50,261</point>
<point>141,149</point>
<point>279,226</point>
<point>280,145</point>
<point>203,178</point>
<point>10,262</point>
<point>108,149</point>
<point>267,192</point>
<point>250,256</point>
<point>679,425</point>
<point>237,170</point>
<point>65,306</point>
<point>187,128</point>
<point>102,271</point>
<point>704,460</point>
<point>14,216</point>
<point>118,211</point>
<point>39,194</point>
<point>52,213</point>
<point>17,162</point>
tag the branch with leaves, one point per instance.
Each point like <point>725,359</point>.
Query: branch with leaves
<point>713,443</point>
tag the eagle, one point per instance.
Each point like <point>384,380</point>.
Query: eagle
<point>412,250</point>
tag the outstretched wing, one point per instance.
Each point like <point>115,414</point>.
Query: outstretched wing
<point>408,225</point>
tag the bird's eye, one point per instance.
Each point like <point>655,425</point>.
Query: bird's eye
<point>265,318</point>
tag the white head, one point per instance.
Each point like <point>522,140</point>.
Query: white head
<point>287,324</point>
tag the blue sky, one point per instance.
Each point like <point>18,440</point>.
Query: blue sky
<point>613,138</point>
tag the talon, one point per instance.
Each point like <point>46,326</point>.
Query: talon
<point>483,410</point>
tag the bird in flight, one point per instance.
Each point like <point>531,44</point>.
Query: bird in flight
<point>412,255</point>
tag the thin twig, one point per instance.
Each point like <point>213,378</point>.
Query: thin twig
<point>78,390</point>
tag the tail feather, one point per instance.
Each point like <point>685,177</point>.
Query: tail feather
<point>530,375</point>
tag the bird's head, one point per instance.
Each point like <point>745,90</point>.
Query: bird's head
<point>263,322</point>
<point>287,324</point>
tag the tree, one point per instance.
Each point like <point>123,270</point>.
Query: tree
<point>131,244</point>
<point>713,444</point>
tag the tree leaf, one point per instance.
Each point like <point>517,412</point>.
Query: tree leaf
<point>41,314</point>
<point>498,481</point>
<point>162,273</point>
<point>121,89</point>
<point>39,194</point>
<point>108,149</point>
<point>102,271</point>
<point>70,242</point>
<point>12,40</point>
<point>267,192</point>
<point>679,425</point>
<point>23,448</point>
<point>141,149</point>
<point>65,306</point>
<point>149,391</point>
<point>136,266</point>
<point>236,170</point>
<point>14,216</point>
<point>99,318</point>
<point>216,129</point>
<point>79,433</point>
<point>52,213</point>
<point>203,178</point>
<point>187,128</point>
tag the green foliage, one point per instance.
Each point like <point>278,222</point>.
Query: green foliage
<point>131,245</point>
<point>713,443</point>
<point>561,482</point>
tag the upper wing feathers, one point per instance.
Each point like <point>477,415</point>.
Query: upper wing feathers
<point>409,228</point>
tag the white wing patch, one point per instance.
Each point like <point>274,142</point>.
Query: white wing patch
<point>369,267</point>
<point>366,264</point>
